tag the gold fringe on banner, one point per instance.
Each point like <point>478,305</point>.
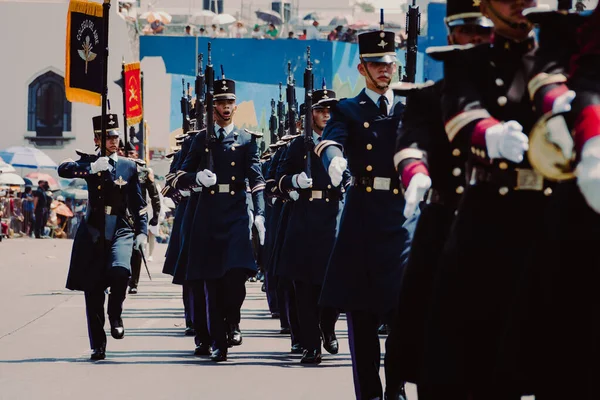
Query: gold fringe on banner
<point>76,94</point>
<point>132,66</point>
<point>134,120</point>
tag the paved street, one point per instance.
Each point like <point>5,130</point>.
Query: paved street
<point>44,348</point>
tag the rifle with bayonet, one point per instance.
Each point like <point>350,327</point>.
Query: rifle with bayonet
<point>290,94</point>
<point>308,91</point>
<point>280,114</point>
<point>200,95</point>
<point>273,124</point>
<point>413,30</point>
<point>185,109</point>
<point>209,76</point>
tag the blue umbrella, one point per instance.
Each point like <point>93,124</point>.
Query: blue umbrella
<point>27,157</point>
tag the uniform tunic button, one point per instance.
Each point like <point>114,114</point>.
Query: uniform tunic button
<point>369,146</point>
<point>99,173</point>
<point>499,82</point>
<point>503,165</point>
<point>482,153</point>
<point>328,186</point>
<point>502,100</point>
<point>473,149</point>
<point>503,190</point>
<point>460,190</point>
<point>547,191</point>
<point>366,125</point>
<point>369,189</point>
<point>395,191</point>
<point>232,193</point>
<point>327,200</point>
<point>456,171</point>
<point>311,199</point>
<point>206,150</point>
<point>233,163</point>
<point>233,178</point>
<point>232,148</point>
<point>369,168</point>
<point>212,192</point>
<point>99,187</point>
<point>456,152</point>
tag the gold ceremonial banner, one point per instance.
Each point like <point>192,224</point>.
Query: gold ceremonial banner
<point>85,49</point>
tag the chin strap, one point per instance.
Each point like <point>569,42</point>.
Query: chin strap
<point>524,26</point>
<point>222,117</point>
<point>378,86</point>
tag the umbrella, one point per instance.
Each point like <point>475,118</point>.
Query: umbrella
<point>27,157</point>
<point>11,179</point>
<point>35,177</point>
<point>202,17</point>
<point>4,167</point>
<point>77,194</point>
<point>223,19</point>
<point>61,209</point>
<point>313,16</point>
<point>359,24</point>
<point>269,16</point>
<point>341,20</point>
<point>152,16</point>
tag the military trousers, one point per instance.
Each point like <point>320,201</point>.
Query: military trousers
<point>289,309</point>
<point>195,295</point>
<point>314,320</point>
<point>94,304</point>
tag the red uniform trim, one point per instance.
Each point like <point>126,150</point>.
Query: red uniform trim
<point>587,126</point>
<point>478,137</point>
<point>411,170</point>
<point>551,96</point>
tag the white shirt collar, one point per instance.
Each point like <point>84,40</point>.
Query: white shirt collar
<point>114,157</point>
<point>315,137</point>
<point>389,95</point>
<point>228,129</point>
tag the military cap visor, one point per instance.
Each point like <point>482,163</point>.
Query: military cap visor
<point>473,18</point>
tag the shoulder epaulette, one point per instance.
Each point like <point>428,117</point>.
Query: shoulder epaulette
<point>289,138</point>
<point>256,134</point>
<point>81,153</point>
<point>140,162</point>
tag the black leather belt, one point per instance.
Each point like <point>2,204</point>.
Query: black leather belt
<point>518,179</point>
<point>327,195</point>
<point>230,188</point>
<point>371,183</point>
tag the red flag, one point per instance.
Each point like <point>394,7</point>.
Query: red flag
<point>133,93</point>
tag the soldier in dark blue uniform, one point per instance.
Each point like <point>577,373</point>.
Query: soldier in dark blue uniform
<point>425,157</point>
<point>488,114</point>
<point>115,204</point>
<point>220,235</point>
<point>310,233</point>
<point>364,273</point>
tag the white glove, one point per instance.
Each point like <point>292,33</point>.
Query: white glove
<point>206,178</point>
<point>562,103</point>
<point>302,181</point>
<point>507,140</point>
<point>185,193</point>
<point>101,164</point>
<point>294,195</point>
<point>140,240</point>
<point>336,169</point>
<point>259,222</point>
<point>417,187</point>
<point>588,173</point>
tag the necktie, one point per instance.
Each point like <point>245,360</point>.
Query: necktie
<point>383,105</point>
<point>221,134</point>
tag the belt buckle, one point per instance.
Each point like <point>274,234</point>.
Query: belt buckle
<point>107,209</point>
<point>382,183</point>
<point>529,179</point>
<point>317,194</point>
<point>223,187</point>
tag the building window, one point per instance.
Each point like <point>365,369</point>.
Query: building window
<point>215,6</point>
<point>49,112</point>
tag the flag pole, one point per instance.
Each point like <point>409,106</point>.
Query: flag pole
<point>105,20</point>
<point>125,133</point>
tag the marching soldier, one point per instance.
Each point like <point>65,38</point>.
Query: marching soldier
<point>310,233</point>
<point>117,205</point>
<point>220,232</point>
<point>487,112</point>
<point>149,189</point>
<point>364,272</point>
<point>560,283</point>
<point>424,157</point>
